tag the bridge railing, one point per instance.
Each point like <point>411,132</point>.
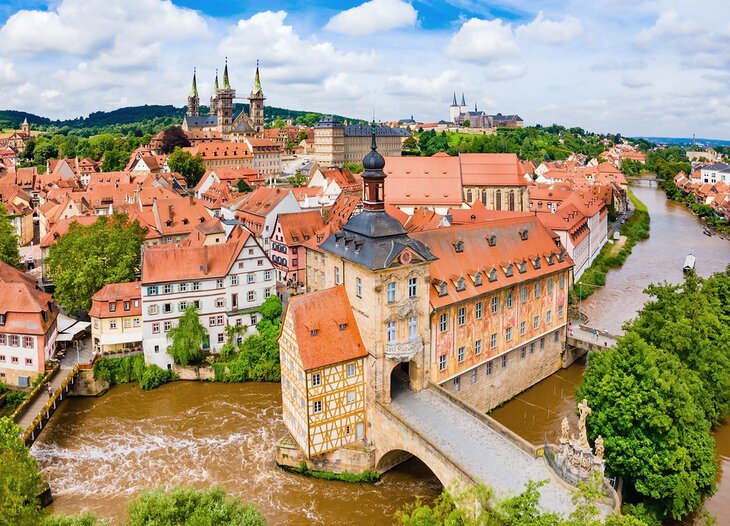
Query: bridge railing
<point>511,436</point>
<point>33,430</point>
<point>34,394</point>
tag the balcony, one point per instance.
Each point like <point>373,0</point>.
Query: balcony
<point>403,351</point>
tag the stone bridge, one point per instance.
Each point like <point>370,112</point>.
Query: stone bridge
<point>463,446</point>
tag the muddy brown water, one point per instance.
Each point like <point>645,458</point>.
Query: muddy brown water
<point>675,232</point>
<point>100,452</point>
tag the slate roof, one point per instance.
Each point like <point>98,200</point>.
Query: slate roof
<point>201,120</point>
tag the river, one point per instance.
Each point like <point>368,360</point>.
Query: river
<point>100,452</point>
<point>675,232</point>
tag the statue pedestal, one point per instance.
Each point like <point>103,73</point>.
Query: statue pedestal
<point>576,462</point>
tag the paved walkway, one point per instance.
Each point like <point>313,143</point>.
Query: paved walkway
<point>35,407</point>
<point>586,334</point>
<point>480,450</point>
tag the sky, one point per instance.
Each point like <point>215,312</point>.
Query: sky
<point>639,67</point>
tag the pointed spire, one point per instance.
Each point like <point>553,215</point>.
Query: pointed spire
<point>194,88</point>
<point>25,121</point>
<point>463,100</point>
<point>257,80</point>
<point>454,103</point>
<point>475,107</point>
<point>226,82</point>
<point>215,86</point>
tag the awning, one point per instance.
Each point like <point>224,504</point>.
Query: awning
<point>122,337</point>
<point>63,337</point>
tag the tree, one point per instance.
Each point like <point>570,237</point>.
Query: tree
<point>191,168</point>
<point>86,258</point>
<point>271,308</point>
<point>9,252</point>
<point>299,180</point>
<point>355,168</point>
<point>466,123</point>
<point>655,433</point>
<point>19,479</point>
<point>242,186</point>
<point>410,143</point>
<point>174,137</point>
<point>184,506</point>
<point>187,338</point>
<point>114,160</point>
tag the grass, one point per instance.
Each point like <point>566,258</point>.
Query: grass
<point>635,229</point>
<point>366,476</point>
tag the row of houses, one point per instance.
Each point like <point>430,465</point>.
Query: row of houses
<point>715,195</point>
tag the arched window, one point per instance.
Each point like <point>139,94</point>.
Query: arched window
<point>469,196</point>
<point>512,201</point>
<point>484,197</point>
<point>498,200</point>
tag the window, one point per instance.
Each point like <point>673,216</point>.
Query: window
<point>556,336</point>
<point>442,289</point>
<point>523,293</point>
<point>112,306</point>
<point>13,359</point>
<point>113,324</point>
<point>250,278</point>
<point>196,285</point>
<point>220,302</point>
<point>182,288</point>
<point>2,358</point>
<point>167,308</point>
<point>489,368</point>
<point>260,262</point>
<point>28,342</point>
<point>532,347</point>
<point>267,275</point>
<point>167,289</point>
<point>391,292</point>
<point>537,289</point>
<point>358,287</point>
<point>457,384</point>
<point>542,343</point>
<point>508,334</point>
<point>523,352</point>
<point>221,337</point>
<point>478,310</point>
<point>350,369</point>
<point>391,331</point>
<point>337,275</point>
<point>548,316</point>
<point>412,287</point>
<point>127,323</point>
<point>2,319</point>
<point>473,375</point>
<point>211,321</point>
<point>523,328</point>
<point>560,311</point>
<point>536,322</point>
<point>251,295</point>
<point>317,406</point>
<point>460,355</point>
<point>220,320</point>
<point>478,347</point>
<point>550,285</point>
<point>350,397</point>
<point>156,328</point>
<point>509,299</point>
<point>442,362</point>
<point>504,361</point>
<point>167,326</point>
<point>135,322</point>
<point>152,291</point>
<point>412,328</point>
<point>127,305</point>
<point>234,280</point>
<point>462,315</point>
<point>561,282</point>
<point>443,320</point>
<point>157,348</point>
<point>96,326</point>
<point>254,319</point>
<point>316,379</point>
<point>494,340</point>
<point>494,305</point>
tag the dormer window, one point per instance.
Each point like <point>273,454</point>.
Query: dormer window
<point>523,234</point>
<point>523,266</point>
<point>561,254</point>
<point>2,319</point>
<point>477,279</point>
<point>550,258</point>
<point>314,332</point>
<point>460,285</point>
<point>112,306</point>
<point>508,270</point>
<point>442,289</point>
<point>459,246</point>
<point>343,326</point>
<point>185,221</point>
<point>492,275</point>
<point>536,263</point>
<point>492,240</point>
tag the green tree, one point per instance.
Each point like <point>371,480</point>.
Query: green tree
<point>656,434</point>
<point>410,143</point>
<point>9,252</point>
<point>19,479</point>
<point>299,180</point>
<point>85,519</point>
<point>191,168</point>
<point>242,186</point>
<point>466,123</point>
<point>355,168</point>
<point>187,338</point>
<point>184,506</point>
<point>86,258</point>
<point>271,308</point>
<point>114,160</point>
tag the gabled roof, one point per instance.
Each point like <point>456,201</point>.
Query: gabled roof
<point>119,292</point>
<point>423,180</point>
<point>296,228</point>
<point>491,169</point>
<point>325,328</point>
<point>263,200</point>
<point>20,296</point>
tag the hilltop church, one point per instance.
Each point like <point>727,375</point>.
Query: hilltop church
<point>459,114</point>
<point>220,117</point>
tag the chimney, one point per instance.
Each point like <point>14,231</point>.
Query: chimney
<point>205,260</point>
<point>171,211</point>
<point>192,199</point>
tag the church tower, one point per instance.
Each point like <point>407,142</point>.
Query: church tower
<point>454,110</point>
<point>256,100</point>
<point>464,108</point>
<point>193,99</point>
<point>25,127</point>
<point>214,96</point>
<point>225,103</point>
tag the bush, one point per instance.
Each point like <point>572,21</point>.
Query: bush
<point>13,399</point>
<point>3,387</point>
<point>367,476</point>
<point>155,376</point>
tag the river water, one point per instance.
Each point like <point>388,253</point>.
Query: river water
<point>100,452</point>
<point>675,232</point>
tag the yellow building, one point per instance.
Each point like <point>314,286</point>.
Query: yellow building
<point>116,318</point>
<point>322,372</point>
<point>336,144</point>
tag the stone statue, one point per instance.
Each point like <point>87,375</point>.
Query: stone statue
<point>584,412</point>
<point>599,448</point>
<point>565,427</point>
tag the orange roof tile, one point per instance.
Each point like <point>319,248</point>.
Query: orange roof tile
<point>296,228</point>
<point>117,292</point>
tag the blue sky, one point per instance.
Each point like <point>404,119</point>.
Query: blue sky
<point>641,67</point>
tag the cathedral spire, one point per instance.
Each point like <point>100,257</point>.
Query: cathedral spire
<point>373,177</point>
<point>215,86</point>
<point>475,107</point>
<point>454,102</point>
<point>194,88</point>
<point>463,100</point>
<point>257,80</point>
<point>226,82</point>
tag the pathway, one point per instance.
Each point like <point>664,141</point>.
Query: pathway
<point>33,409</point>
<point>485,454</point>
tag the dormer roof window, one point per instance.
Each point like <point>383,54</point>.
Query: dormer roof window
<point>343,326</point>
<point>460,284</point>
<point>477,279</point>
<point>492,240</point>
<point>459,246</point>
<point>536,262</point>
<point>523,234</point>
<point>523,266</point>
<point>313,332</point>
<point>493,275</point>
<point>508,270</point>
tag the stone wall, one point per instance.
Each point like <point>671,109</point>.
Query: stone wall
<point>486,391</point>
<point>87,385</point>
<point>354,458</point>
<point>194,372</point>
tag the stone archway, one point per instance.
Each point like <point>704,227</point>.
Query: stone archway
<point>395,457</point>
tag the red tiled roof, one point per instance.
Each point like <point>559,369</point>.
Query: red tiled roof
<point>117,292</point>
<point>491,169</point>
<point>423,180</point>
<point>296,228</point>
<point>325,328</point>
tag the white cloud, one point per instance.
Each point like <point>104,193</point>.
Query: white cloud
<point>506,71</point>
<point>8,74</point>
<point>668,25</point>
<point>482,41</point>
<point>372,17</point>
<point>635,79</point>
<point>417,86</point>
<point>551,31</point>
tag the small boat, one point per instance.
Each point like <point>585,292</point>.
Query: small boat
<point>689,262</point>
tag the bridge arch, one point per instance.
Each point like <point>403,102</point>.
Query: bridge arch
<point>395,457</point>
